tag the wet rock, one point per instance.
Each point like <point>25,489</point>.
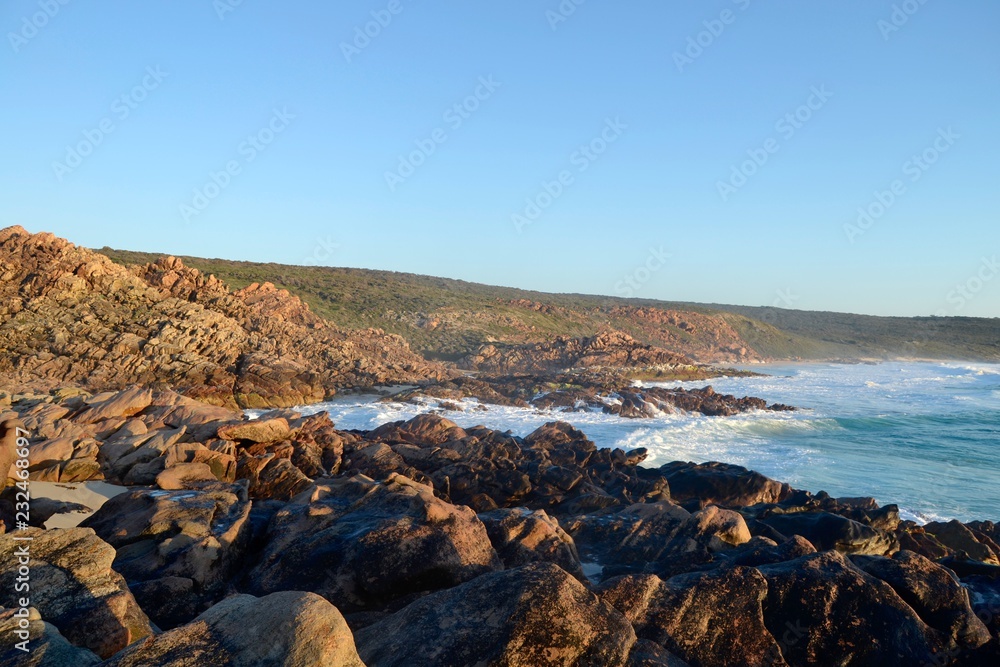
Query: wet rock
<point>288,629</point>
<point>535,615</point>
<point>74,588</point>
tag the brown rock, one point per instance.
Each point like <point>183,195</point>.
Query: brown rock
<point>46,647</point>
<point>74,586</point>
<point>287,629</point>
<point>263,431</point>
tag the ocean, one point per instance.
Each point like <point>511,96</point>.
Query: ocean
<point>925,436</point>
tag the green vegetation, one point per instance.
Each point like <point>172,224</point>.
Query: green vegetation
<point>447,319</point>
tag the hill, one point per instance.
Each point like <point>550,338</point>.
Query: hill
<point>446,319</point>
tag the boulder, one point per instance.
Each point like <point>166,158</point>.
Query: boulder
<point>288,629</point>
<point>121,404</point>
<point>827,611</point>
<point>196,535</point>
<point>74,587</point>
<point>721,484</point>
<point>712,619</point>
<point>537,615</point>
<point>256,430</point>
<point>830,531</point>
<point>934,592</point>
<point>361,543</point>
<point>521,537</point>
<point>650,654</point>
<point>959,538</point>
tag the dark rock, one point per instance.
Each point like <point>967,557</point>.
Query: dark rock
<point>521,537</point>
<point>721,484</point>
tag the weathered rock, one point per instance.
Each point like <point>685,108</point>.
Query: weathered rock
<point>933,592</point>
<point>537,616</point>
<point>8,447</point>
<point>271,477</point>
<point>257,430</point>
<point>288,629</point>
<point>830,531</point>
<point>122,404</point>
<point>521,537</point>
<point>827,611</point>
<point>721,484</point>
<point>959,538</point>
<point>186,476</point>
<point>712,620</point>
<point>45,646</point>
<point>196,535</point>
<point>74,587</point>
<point>650,654</point>
<point>361,543</point>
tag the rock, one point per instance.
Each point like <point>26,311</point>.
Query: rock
<point>186,476</point>
<point>74,587</point>
<point>270,477</point>
<point>521,537</point>
<point>426,429</point>
<point>259,430</point>
<point>827,611</point>
<point>361,543</point>
<point>196,535</point>
<point>46,647</point>
<point>650,654</point>
<point>830,531</point>
<point>287,629</point>
<point>710,619</point>
<point>122,404</point>
<point>933,592</point>
<point>957,537</point>
<point>8,448</point>
<point>536,615</point>
<point>721,484</point>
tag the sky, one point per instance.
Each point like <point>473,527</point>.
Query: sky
<point>824,155</point>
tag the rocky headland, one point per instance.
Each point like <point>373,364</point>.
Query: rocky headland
<point>424,543</point>
<point>285,540</point>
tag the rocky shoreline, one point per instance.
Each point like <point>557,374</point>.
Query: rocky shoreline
<point>423,543</point>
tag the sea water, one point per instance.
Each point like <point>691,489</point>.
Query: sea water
<point>925,436</point>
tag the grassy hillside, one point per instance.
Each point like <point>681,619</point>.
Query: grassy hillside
<point>446,319</point>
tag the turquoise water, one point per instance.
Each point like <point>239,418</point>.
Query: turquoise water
<point>925,436</point>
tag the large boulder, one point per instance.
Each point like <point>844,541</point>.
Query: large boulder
<point>831,531</point>
<point>74,587</point>
<point>537,615</point>
<point>934,592</point>
<point>521,536</point>
<point>163,536</point>
<point>712,619</point>
<point>829,612</point>
<point>287,629</point>
<point>721,484</point>
<point>361,543</point>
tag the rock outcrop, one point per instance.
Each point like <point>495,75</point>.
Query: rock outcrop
<point>70,315</point>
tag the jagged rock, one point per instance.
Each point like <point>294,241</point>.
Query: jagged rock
<point>361,543</point>
<point>8,447</point>
<point>650,654</point>
<point>74,587</point>
<point>710,619</point>
<point>721,484</point>
<point>287,629</point>
<point>271,477</point>
<point>45,646</point>
<point>831,611</point>
<point>122,404</point>
<point>831,531</point>
<point>933,592</point>
<point>186,476</point>
<point>536,615</point>
<point>196,535</point>
<point>959,538</point>
<point>521,537</point>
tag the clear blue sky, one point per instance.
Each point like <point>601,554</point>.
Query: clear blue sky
<point>318,191</point>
